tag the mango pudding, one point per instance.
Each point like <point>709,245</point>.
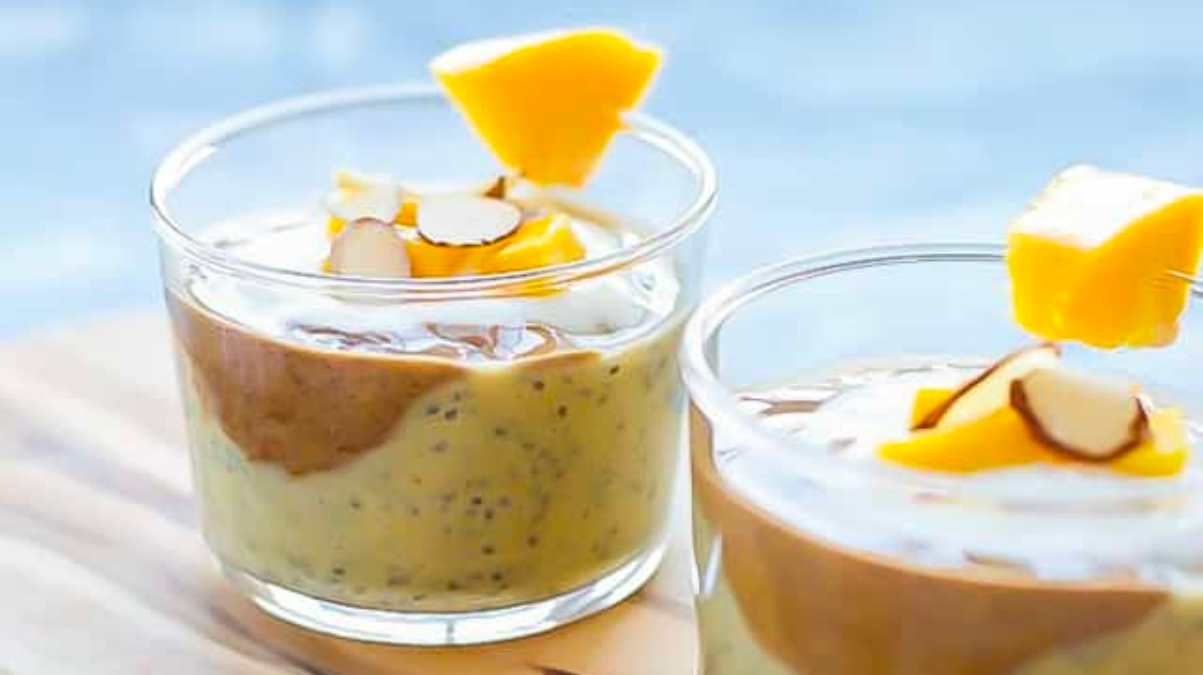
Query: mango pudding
<point>433,411</point>
<point>902,507</point>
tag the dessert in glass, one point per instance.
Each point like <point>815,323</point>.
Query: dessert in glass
<point>442,408</point>
<point>960,459</point>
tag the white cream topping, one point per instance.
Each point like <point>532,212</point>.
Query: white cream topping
<point>861,407</point>
<point>634,299</point>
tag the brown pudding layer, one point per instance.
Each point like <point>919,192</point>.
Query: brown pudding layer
<point>299,407</point>
<point>817,607</point>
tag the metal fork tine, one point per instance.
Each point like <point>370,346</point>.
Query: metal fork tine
<point>1174,277</point>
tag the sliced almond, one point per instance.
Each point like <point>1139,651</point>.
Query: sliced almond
<point>498,188</point>
<point>369,248</point>
<point>379,202</point>
<point>1088,417</point>
<point>466,220</point>
<point>991,389</point>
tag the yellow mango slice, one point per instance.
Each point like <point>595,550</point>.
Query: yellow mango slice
<point>539,242</point>
<point>547,104</point>
<point>1002,439</point>
<point>928,399</point>
<point>432,260</point>
<point>408,215</point>
<point>1164,455</point>
<point>1090,259</point>
<point>998,440</point>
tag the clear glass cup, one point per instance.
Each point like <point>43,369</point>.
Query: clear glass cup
<point>811,562</point>
<point>423,499</point>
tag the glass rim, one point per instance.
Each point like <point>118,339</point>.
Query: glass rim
<point>196,148</point>
<point>720,404</point>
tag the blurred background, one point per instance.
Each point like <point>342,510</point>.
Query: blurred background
<point>832,124</point>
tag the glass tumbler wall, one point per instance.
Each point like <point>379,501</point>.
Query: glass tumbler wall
<point>354,483</point>
<point>814,559</point>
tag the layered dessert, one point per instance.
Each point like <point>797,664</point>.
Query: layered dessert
<point>432,449</point>
<point>966,514</point>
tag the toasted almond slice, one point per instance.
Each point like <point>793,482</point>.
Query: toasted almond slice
<point>369,248</point>
<point>498,188</point>
<point>378,202</point>
<point>991,389</point>
<point>1088,417</point>
<point>466,220</point>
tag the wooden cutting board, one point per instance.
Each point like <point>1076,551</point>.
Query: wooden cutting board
<point>102,569</point>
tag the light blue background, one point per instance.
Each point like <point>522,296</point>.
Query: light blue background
<point>832,124</point>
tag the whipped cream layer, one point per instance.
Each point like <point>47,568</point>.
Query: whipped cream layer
<point>1036,520</point>
<point>590,314</point>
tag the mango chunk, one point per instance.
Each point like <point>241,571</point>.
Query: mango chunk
<point>547,104</point>
<point>1091,259</point>
<point>539,242</point>
<point>1002,439</point>
<point>928,399</point>
<point>432,260</point>
<point>1164,455</point>
<point>998,440</point>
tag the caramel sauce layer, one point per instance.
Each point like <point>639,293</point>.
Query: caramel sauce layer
<point>822,608</point>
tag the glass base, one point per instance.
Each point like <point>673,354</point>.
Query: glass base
<point>432,629</point>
